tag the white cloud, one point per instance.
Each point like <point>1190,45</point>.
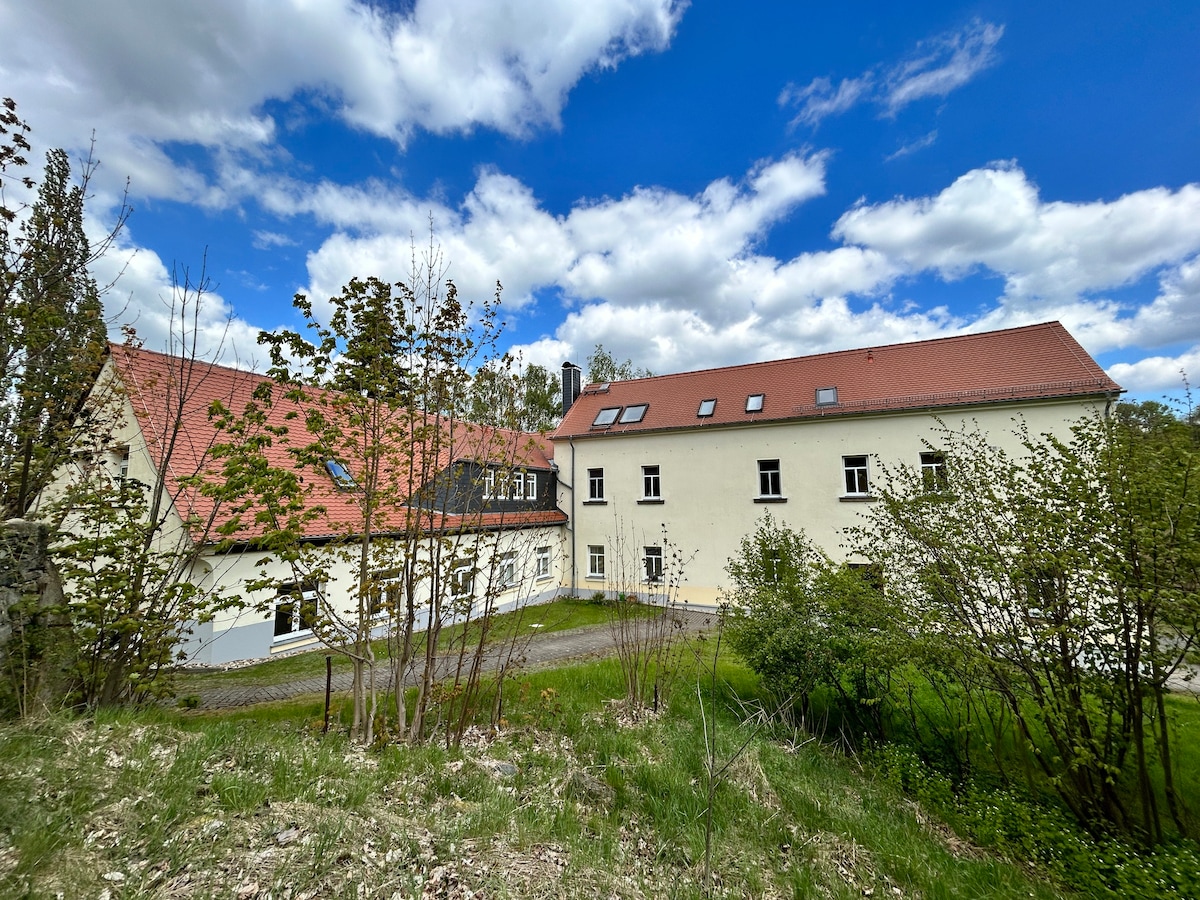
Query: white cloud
<point>1158,373</point>
<point>143,73</point>
<point>914,146</point>
<point>936,67</point>
<point>942,64</point>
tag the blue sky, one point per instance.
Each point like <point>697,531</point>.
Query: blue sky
<point>690,185</point>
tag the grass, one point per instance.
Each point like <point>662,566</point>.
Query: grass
<point>571,798</point>
<point>562,614</point>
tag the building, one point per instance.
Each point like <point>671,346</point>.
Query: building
<point>691,461</point>
<point>475,505</point>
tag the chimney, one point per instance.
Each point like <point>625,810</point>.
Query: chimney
<point>570,385</point>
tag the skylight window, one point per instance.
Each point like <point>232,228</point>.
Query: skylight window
<point>754,403</point>
<point>606,416</point>
<point>634,413</point>
<point>342,479</point>
<point>707,408</point>
<point>827,396</point>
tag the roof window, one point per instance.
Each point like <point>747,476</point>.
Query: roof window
<point>827,396</point>
<point>342,479</point>
<point>707,408</point>
<point>634,413</point>
<point>606,416</point>
<point>754,403</point>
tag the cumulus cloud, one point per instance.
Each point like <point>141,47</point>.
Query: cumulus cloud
<point>936,67</point>
<point>1158,373</point>
<point>145,73</point>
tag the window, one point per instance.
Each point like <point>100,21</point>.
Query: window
<point>653,560</point>
<point>123,464</point>
<point>342,479</point>
<point>595,560</point>
<point>385,594</point>
<point>773,564</point>
<point>651,484</point>
<point>296,609</point>
<point>827,396</point>
<point>462,578</point>
<point>517,480</point>
<point>606,416</point>
<point>506,571</point>
<point>489,484</point>
<point>541,563</point>
<point>855,468</point>
<point>754,403</point>
<point>933,471</point>
<point>531,491</point>
<point>596,485</point>
<point>769,484</point>
<point>633,414</point>
<point>707,408</point>
<point>870,573</point>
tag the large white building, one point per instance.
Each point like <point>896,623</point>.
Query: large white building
<point>699,456</point>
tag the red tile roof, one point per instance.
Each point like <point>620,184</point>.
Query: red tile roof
<point>1034,362</point>
<point>155,382</point>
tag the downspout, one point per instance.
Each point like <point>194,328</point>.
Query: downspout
<point>574,557</point>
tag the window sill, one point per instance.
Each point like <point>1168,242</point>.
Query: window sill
<point>590,577</point>
<point>595,503</point>
<point>650,501</point>
<point>292,637</point>
<point>857,498</point>
<point>770,499</point>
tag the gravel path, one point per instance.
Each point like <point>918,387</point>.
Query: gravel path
<point>541,650</point>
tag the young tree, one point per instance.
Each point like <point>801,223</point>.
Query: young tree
<point>527,401</point>
<point>378,392</point>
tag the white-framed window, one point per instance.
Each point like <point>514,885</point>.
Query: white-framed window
<point>541,563</point>
<point>296,609</point>
<point>517,480</point>
<point>651,483</point>
<point>595,484</point>
<point>489,484</point>
<point>531,491</point>
<point>933,471</point>
<point>123,464</point>
<point>506,571</point>
<point>652,559</point>
<point>855,470</point>
<point>769,481</point>
<point>595,560</point>
<point>773,563</point>
<point>462,578</point>
<point>385,595</point>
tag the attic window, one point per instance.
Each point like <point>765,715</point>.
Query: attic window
<point>633,413</point>
<point>342,479</point>
<point>827,396</point>
<point>707,408</point>
<point>754,403</point>
<point>606,416</point>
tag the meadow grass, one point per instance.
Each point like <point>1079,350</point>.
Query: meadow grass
<point>574,796</point>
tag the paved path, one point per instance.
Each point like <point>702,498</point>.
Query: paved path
<point>541,650</point>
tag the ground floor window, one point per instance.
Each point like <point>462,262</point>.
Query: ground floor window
<point>462,578</point>
<point>653,560</point>
<point>595,560</point>
<point>385,594</point>
<point>506,571</point>
<point>296,608</point>
<point>542,563</point>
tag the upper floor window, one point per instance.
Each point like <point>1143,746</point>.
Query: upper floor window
<point>827,396</point>
<point>595,484</point>
<point>769,481</point>
<point>651,483</point>
<point>933,471</point>
<point>754,403</point>
<point>855,470</point>
<point>707,408</point>
<point>342,479</point>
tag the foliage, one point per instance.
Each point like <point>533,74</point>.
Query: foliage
<point>602,366</point>
<point>526,401</point>
<point>1063,583</point>
<point>52,328</point>
<point>806,624</point>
